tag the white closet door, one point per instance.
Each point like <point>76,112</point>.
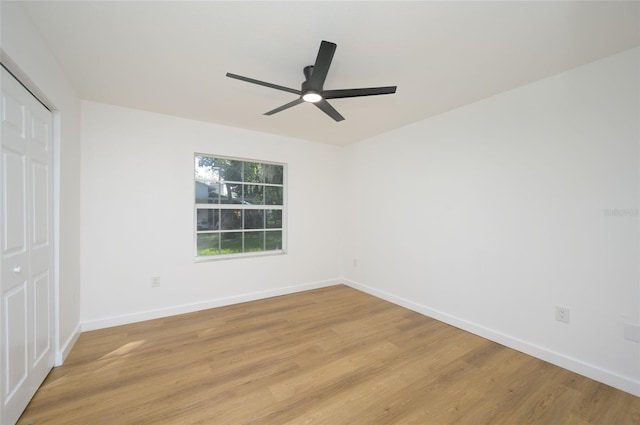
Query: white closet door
<point>26,210</point>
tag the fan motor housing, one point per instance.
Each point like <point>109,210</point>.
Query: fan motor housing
<point>307,71</point>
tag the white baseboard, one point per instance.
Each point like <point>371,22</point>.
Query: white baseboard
<point>65,348</point>
<point>613,379</point>
<point>108,322</point>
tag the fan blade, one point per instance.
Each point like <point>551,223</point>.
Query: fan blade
<point>283,107</point>
<point>262,83</point>
<point>321,67</point>
<point>372,91</point>
<point>328,109</point>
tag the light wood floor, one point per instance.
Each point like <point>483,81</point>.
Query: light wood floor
<point>329,356</point>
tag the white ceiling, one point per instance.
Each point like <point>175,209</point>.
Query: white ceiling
<point>172,57</point>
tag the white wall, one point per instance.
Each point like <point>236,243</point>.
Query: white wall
<point>28,57</point>
<point>137,216</point>
<point>492,214</point>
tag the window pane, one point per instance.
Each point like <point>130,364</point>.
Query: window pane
<point>230,219</point>
<point>253,194</point>
<point>215,191</point>
<point>208,193</point>
<point>272,195</point>
<point>205,169</point>
<point>231,193</point>
<point>231,243</point>
<point>273,240</point>
<point>208,219</point>
<point>202,193</point>
<point>254,219</point>
<point>274,219</point>
<point>253,172</point>
<point>208,244</point>
<point>273,174</point>
<point>229,169</point>
<point>210,169</point>
<point>253,241</point>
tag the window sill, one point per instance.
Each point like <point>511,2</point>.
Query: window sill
<point>205,259</point>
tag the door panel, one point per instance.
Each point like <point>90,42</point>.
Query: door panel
<point>42,326</point>
<point>16,336</point>
<point>40,204</point>
<point>14,203</point>
<point>13,114</point>
<point>40,130</point>
<point>26,289</point>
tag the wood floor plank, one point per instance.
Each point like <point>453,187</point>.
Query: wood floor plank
<point>328,356</point>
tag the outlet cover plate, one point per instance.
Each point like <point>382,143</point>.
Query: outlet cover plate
<point>563,314</point>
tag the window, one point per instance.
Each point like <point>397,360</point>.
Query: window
<point>239,207</point>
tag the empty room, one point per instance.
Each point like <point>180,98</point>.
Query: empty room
<point>323,212</point>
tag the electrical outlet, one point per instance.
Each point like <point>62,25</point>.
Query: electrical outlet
<point>562,314</point>
<point>155,281</point>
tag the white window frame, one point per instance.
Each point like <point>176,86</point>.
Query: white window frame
<point>243,207</point>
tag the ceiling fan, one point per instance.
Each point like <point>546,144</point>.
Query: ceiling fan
<point>312,89</point>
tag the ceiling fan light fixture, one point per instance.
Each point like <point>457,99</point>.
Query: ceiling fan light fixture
<point>312,88</point>
<point>311,97</point>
